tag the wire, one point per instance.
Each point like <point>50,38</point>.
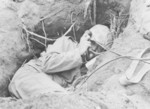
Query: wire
<point>120,56</point>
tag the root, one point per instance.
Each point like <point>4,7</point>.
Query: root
<point>37,35</point>
<point>44,33</point>
<point>38,41</point>
<point>69,29</point>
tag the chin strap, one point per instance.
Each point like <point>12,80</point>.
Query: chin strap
<point>90,52</point>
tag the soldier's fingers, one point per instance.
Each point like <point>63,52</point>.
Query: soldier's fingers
<point>87,32</point>
<point>88,43</point>
<point>87,37</point>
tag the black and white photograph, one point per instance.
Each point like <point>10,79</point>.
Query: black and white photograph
<point>74,54</point>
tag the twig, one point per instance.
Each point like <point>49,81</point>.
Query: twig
<point>86,8</point>
<point>44,32</point>
<point>94,9</point>
<point>99,67</point>
<point>42,37</point>
<point>27,39</point>
<point>90,16</point>
<point>38,41</point>
<point>74,33</point>
<point>69,29</point>
<point>24,63</point>
<point>51,14</point>
<point>73,27</point>
<point>22,35</point>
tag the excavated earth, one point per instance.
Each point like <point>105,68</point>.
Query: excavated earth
<point>102,89</point>
<point>19,17</point>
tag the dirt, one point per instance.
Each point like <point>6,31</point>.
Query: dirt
<point>56,15</point>
<point>102,89</point>
<point>118,7</point>
<point>13,50</point>
<point>15,45</point>
<point>106,79</point>
<point>59,100</point>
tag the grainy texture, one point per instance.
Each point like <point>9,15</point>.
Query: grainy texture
<point>53,101</point>
<point>15,46</point>
<point>57,16</point>
<point>13,50</point>
<point>102,90</point>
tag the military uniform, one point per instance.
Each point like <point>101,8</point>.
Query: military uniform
<point>58,67</point>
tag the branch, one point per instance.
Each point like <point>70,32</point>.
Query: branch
<point>38,41</point>
<point>69,29</point>
<point>43,27</point>
<point>94,9</point>
<point>51,14</point>
<point>73,27</point>
<point>42,37</point>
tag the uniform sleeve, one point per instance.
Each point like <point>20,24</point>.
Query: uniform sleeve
<point>57,62</point>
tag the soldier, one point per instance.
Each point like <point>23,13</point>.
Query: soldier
<point>59,66</point>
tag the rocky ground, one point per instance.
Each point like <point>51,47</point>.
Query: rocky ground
<point>102,89</point>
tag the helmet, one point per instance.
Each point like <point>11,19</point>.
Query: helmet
<point>101,35</point>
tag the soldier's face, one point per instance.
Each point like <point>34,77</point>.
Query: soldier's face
<point>94,50</point>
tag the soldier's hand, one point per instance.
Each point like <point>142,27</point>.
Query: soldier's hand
<point>84,43</point>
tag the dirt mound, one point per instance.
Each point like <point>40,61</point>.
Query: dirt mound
<point>54,101</point>
<point>17,16</point>
<point>130,43</point>
<point>13,48</point>
<point>102,88</point>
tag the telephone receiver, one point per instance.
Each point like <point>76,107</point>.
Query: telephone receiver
<point>89,54</point>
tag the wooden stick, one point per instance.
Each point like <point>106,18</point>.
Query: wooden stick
<point>69,29</point>
<point>74,33</point>
<point>51,14</point>
<point>73,27</point>
<point>42,37</point>
<point>43,27</point>
<point>38,41</point>
<point>27,39</point>
<point>94,9</point>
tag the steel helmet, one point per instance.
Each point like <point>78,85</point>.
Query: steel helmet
<point>101,34</point>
